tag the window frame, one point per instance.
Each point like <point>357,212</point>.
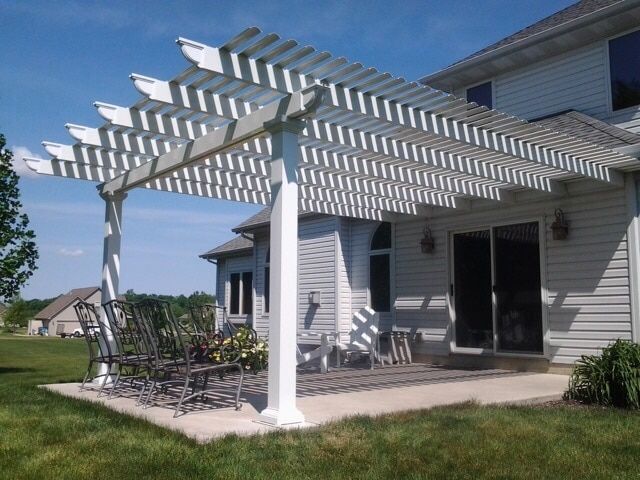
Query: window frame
<point>607,73</point>
<point>242,311</point>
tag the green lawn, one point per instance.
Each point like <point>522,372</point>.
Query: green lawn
<point>43,436</point>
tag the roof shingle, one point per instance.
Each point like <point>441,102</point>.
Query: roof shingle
<point>233,246</point>
<point>63,301</point>
<point>572,12</point>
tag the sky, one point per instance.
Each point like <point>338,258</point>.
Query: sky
<point>57,58</point>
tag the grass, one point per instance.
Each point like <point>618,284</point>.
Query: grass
<point>43,435</point>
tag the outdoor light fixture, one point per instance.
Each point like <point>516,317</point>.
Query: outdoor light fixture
<point>560,227</point>
<point>427,243</point>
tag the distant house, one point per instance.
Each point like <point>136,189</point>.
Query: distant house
<point>59,316</point>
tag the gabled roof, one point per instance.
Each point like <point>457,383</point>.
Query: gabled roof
<point>574,27</point>
<point>572,12</point>
<point>260,219</point>
<point>588,128</point>
<point>235,246</point>
<point>63,301</point>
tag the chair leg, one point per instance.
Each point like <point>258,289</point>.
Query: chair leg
<point>184,392</point>
<point>86,376</point>
<point>151,388</point>
<point>144,387</point>
<point>241,379</point>
<point>106,377</point>
<point>115,382</point>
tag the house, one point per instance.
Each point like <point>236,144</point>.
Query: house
<point>533,283</point>
<point>59,316</point>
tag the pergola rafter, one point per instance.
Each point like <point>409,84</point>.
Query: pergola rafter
<point>270,122</point>
<point>403,107</point>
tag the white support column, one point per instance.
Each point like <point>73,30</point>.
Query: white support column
<point>281,407</point>
<point>633,244</point>
<point>111,254</point>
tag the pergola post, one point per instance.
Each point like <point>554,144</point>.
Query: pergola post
<point>110,256</point>
<point>281,407</point>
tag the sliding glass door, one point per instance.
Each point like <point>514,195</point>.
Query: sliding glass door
<point>472,290</point>
<point>496,289</point>
<point>517,288</point>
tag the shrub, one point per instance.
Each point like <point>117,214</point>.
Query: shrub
<point>611,378</point>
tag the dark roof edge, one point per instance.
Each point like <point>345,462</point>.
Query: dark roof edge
<point>257,226</point>
<point>531,40</point>
<point>72,298</point>
<point>227,253</point>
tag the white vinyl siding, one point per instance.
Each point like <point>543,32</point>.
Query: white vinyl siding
<point>587,275</point>
<point>576,80</point>
<point>344,269</point>
<point>316,271</point>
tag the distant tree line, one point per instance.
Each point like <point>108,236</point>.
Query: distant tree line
<point>20,311</point>
<point>179,304</point>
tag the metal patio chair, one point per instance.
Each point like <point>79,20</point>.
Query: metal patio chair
<point>173,362</point>
<point>363,337</point>
<point>131,350</point>
<point>205,323</point>
<point>97,336</point>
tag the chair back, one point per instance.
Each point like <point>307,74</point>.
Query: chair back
<point>205,319</point>
<point>127,330</point>
<point>364,327</point>
<point>95,333</point>
<point>163,332</point>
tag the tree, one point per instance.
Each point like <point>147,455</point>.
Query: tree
<point>17,314</point>
<point>18,252</point>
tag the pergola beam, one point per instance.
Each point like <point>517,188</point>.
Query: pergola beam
<point>309,200</point>
<point>237,171</point>
<point>297,105</point>
<point>179,128</point>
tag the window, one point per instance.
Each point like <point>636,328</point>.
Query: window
<point>481,94</point>
<point>267,280</point>
<point>241,301</point>
<point>624,65</point>
<point>380,269</point>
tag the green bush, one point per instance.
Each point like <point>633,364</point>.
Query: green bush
<point>611,378</point>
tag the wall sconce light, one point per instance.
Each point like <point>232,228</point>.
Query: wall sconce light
<point>427,243</point>
<point>560,227</point>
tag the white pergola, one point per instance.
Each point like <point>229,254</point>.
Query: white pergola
<point>268,121</point>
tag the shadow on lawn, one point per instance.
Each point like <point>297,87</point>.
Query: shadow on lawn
<point>15,370</point>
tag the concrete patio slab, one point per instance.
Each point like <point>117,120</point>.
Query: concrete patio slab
<point>339,394</point>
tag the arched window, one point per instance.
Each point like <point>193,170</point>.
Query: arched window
<point>267,282</point>
<point>380,269</point>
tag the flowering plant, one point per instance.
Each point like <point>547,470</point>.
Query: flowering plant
<point>243,347</point>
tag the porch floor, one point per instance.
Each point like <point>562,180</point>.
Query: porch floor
<point>338,394</point>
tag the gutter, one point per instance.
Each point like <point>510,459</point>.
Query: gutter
<point>614,9</point>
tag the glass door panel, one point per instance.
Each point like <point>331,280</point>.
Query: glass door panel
<point>517,288</point>
<point>472,289</point>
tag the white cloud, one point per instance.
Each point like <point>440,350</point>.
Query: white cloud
<point>167,216</point>
<point>73,252</point>
<point>19,166</point>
